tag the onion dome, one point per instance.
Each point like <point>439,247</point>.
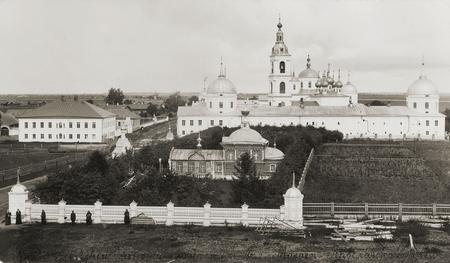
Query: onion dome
<point>318,84</point>
<point>338,83</point>
<point>423,86</point>
<point>308,72</point>
<point>221,85</point>
<point>271,153</point>
<point>293,192</point>
<point>323,81</point>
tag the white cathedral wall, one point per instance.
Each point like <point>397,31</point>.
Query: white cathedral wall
<point>421,100</point>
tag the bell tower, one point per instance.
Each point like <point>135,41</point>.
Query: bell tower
<point>280,66</point>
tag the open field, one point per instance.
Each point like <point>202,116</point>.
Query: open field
<point>119,243</point>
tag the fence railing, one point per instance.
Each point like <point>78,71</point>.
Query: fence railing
<point>25,170</point>
<point>208,215</point>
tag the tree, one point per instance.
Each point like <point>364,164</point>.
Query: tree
<point>247,187</point>
<point>97,163</point>
<point>173,101</point>
<point>115,96</point>
<point>127,102</point>
<point>152,109</point>
<point>192,99</point>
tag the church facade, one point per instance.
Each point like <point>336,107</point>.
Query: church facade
<point>220,164</point>
<point>318,99</point>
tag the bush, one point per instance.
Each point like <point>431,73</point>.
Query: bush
<point>446,227</point>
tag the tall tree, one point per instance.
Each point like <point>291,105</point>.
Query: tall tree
<point>173,101</point>
<point>247,187</point>
<point>115,96</point>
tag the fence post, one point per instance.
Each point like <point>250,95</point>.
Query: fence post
<point>434,209</point>
<point>61,211</point>
<point>244,216</point>
<point>282,212</point>
<point>400,212</point>
<point>97,212</point>
<point>170,212</point>
<point>332,209</point>
<point>207,215</point>
<point>366,210</point>
<point>133,209</point>
<point>27,216</point>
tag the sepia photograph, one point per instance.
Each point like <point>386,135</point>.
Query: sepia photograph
<point>250,131</point>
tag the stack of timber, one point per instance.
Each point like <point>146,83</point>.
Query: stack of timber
<point>271,226</point>
<point>142,219</point>
<point>368,230</point>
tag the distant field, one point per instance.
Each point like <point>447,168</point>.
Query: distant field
<point>120,243</point>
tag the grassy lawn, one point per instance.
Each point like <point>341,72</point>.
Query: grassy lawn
<point>16,160</point>
<point>120,243</point>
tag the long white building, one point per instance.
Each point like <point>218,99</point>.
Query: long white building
<point>319,100</point>
<point>67,122</point>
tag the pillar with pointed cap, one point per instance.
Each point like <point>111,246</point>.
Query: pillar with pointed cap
<point>293,205</point>
<point>17,196</point>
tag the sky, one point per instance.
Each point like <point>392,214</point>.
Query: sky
<point>88,46</point>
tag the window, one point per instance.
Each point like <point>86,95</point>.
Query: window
<point>427,105</point>
<point>191,167</point>
<point>427,123</point>
<point>70,125</point>
<point>34,136</point>
<point>42,136</point>
<point>78,125</point>
<point>210,104</point>
<point>26,126</point>
<point>273,168</point>
<point>218,168</point>
<point>26,136</point>
<point>93,136</point>
<point>85,136</point>
<point>86,125</point>
<point>231,104</point>
<point>212,122</point>
<point>78,136</point>
<point>183,123</point>
<point>427,133</point>
<point>282,88</point>
<point>271,87</point>
<point>282,67</point>
<point>70,136</point>
<point>200,122</point>
<point>183,132</point>
<point>309,84</point>
<point>294,86</point>
<point>42,124</point>
<point>191,122</point>
<point>34,125</point>
<point>301,85</point>
<point>339,123</point>
<point>49,136</point>
<point>60,125</point>
<point>94,125</point>
<point>272,68</point>
<point>118,123</point>
<point>436,123</point>
<point>50,125</point>
<point>202,167</point>
<point>221,105</point>
<point>415,105</point>
<point>220,122</point>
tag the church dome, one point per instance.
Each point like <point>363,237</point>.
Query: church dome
<point>422,86</point>
<point>244,135</point>
<point>308,73</point>
<point>271,153</point>
<point>349,88</point>
<point>221,85</point>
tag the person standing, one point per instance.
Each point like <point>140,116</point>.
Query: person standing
<point>18,217</point>
<point>73,217</point>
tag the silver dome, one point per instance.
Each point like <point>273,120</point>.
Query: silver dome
<point>221,86</point>
<point>422,86</point>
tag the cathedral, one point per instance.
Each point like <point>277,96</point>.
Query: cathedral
<point>318,99</point>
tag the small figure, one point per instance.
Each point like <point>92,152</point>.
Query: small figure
<point>126,220</point>
<point>73,217</point>
<point>8,218</point>
<point>18,217</point>
<point>88,218</point>
<point>43,217</point>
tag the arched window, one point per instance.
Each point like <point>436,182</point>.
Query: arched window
<point>309,84</point>
<point>271,87</point>
<point>272,68</point>
<point>415,105</point>
<point>282,88</point>
<point>427,105</point>
<point>282,67</point>
<point>301,85</point>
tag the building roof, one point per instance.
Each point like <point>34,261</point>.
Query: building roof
<point>362,110</point>
<point>271,153</point>
<point>138,107</point>
<point>7,119</point>
<point>68,109</point>
<point>121,112</point>
<point>422,86</point>
<point>221,85</point>
<point>244,135</point>
<point>196,154</point>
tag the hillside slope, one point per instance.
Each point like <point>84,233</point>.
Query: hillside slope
<point>406,172</point>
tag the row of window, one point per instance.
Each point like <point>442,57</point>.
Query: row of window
<point>59,136</point>
<point>221,105</point>
<point>196,167</point>
<point>427,105</point>
<point>200,122</point>
<point>59,125</point>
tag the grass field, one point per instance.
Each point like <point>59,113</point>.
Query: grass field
<point>16,160</point>
<point>120,243</point>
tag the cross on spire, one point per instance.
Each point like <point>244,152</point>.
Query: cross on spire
<point>221,67</point>
<point>293,179</point>
<point>422,74</point>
